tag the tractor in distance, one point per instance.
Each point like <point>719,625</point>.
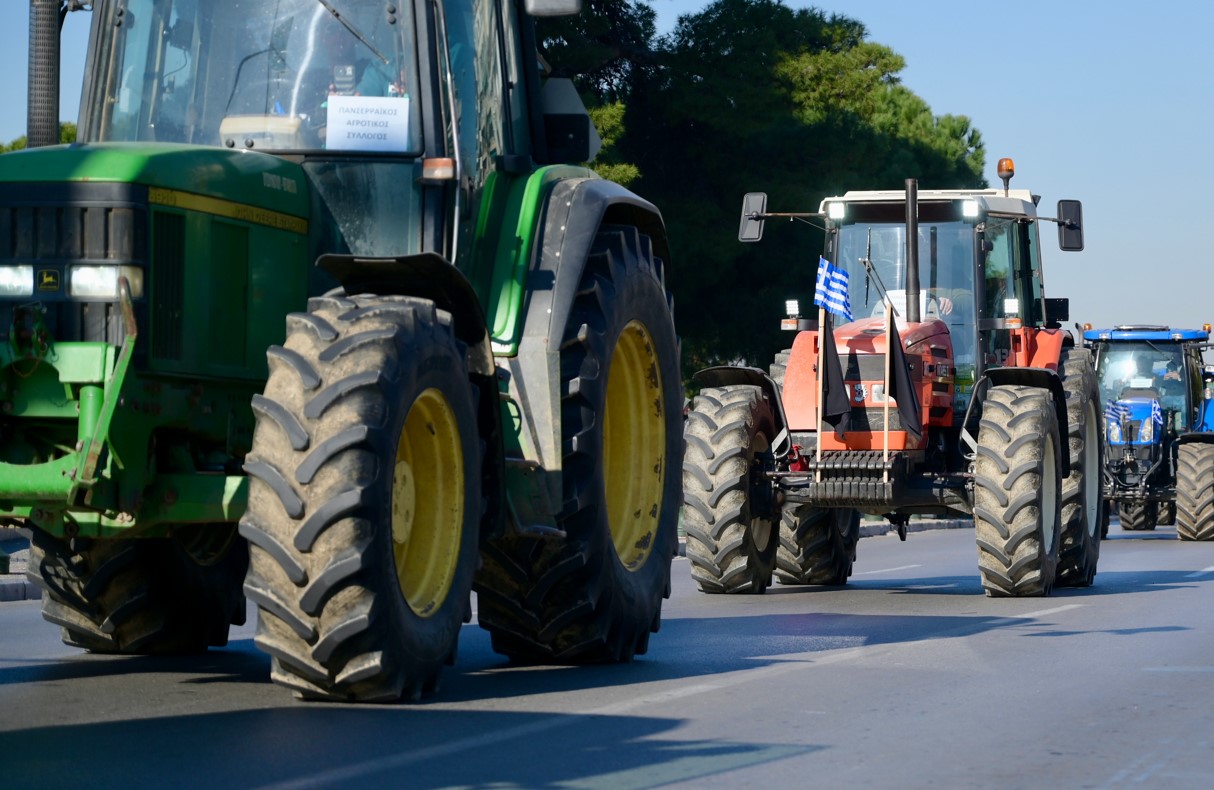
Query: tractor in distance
<point>322,310</point>
<point>994,408</point>
<point>1159,426</point>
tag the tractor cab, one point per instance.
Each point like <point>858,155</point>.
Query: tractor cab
<point>977,275</point>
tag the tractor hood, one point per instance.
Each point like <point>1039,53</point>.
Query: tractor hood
<point>868,334</point>
<point>247,178</point>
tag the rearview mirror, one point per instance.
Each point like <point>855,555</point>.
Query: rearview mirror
<point>1070,225</point>
<point>754,205</point>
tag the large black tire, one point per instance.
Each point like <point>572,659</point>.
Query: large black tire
<point>779,367</point>
<point>596,594</point>
<point>1138,516</point>
<point>817,545</point>
<point>1195,491</point>
<point>1167,514</point>
<point>730,547</point>
<point>1082,504</point>
<point>1017,493</point>
<point>143,596</point>
<point>364,499</point>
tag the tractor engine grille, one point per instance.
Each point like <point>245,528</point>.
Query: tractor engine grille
<point>53,227</point>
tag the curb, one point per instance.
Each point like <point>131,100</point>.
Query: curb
<point>14,585</point>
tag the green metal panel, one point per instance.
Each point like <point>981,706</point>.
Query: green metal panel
<point>245,178</point>
<point>511,213</point>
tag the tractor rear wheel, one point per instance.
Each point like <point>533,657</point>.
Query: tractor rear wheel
<point>146,595</point>
<point>731,548</point>
<point>1138,516</point>
<point>1082,503</point>
<point>1195,491</point>
<point>1017,492</point>
<point>595,594</point>
<point>817,545</point>
<point>364,499</point>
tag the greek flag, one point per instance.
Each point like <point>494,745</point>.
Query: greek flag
<point>1116,411</point>
<point>1156,412</point>
<point>831,290</point>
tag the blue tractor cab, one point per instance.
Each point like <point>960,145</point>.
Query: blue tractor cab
<point>1159,426</point>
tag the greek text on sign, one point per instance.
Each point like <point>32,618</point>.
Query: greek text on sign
<point>368,123</point>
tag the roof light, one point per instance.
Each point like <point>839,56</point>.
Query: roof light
<point>792,307</point>
<point>969,208</point>
<point>836,210</point>
<point>1086,327</point>
<point>1206,328</point>
<point>1006,169</point>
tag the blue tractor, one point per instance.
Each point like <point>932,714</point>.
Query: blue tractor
<point>1159,426</point>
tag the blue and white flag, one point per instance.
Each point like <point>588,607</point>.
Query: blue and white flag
<point>1156,412</point>
<point>1116,411</point>
<point>831,290</point>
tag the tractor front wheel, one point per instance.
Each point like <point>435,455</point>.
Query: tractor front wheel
<point>731,542</point>
<point>168,595</point>
<point>1195,491</point>
<point>364,499</point>
<point>817,545</point>
<point>1017,496</point>
<point>595,593</point>
<point>1138,516</point>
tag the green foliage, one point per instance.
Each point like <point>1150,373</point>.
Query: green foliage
<point>67,134</point>
<point>751,95</point>
<point>609,121</point>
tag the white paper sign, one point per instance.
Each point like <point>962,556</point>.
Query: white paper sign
<point>368,123</point>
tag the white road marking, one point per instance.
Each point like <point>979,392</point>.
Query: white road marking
<point>1201,572</point>
<point>888,570</point>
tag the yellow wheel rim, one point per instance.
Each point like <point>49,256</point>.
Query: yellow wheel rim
<point>428,503</point>
<point>634,446</point>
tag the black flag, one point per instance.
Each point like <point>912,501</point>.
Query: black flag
<point>903,389</point>
<point>836,406</point>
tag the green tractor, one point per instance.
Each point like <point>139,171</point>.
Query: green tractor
<point>476,388</point>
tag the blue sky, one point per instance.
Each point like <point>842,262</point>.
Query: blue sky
<point>1106,102</point>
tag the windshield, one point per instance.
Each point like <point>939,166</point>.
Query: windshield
<point>1145,370</point>
<point>265,74</point>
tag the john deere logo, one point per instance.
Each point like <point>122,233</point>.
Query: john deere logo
<point>48,280</point>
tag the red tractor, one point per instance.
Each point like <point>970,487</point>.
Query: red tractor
<point>946,387</point>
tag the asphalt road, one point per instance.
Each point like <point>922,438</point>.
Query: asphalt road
<point>907,678</point>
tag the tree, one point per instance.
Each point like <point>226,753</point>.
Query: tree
<point>67,134</point>
<point>751,95</point>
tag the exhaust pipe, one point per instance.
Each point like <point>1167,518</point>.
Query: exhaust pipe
<point>912,251</point>
<point>42,119</point>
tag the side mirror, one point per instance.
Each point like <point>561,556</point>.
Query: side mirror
<point>1070,225</point>
<point>754,205</point>
<point>1057,311</point>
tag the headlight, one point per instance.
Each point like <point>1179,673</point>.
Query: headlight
<point>1114,432</point>
<point>1147,432</point>
<point>101,282</point>
<point>16,280</point>
<point>836,210</point>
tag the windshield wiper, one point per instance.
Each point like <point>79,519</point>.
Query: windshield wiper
<point>353,30</point>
